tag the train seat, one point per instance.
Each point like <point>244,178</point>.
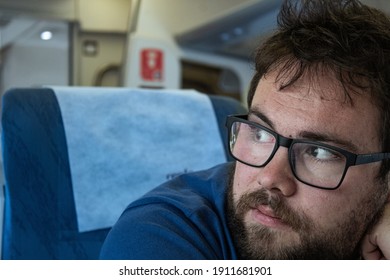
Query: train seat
<point>74,157</point>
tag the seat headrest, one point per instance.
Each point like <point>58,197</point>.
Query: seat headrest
<point>123,142</point>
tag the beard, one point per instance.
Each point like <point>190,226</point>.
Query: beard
<point>305,240</point>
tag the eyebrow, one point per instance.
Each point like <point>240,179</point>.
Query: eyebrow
<point>261,116</point>
<point>309,135</point>
<point>321,137</point>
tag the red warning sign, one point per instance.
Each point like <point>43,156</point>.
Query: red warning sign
<point>152,65</point>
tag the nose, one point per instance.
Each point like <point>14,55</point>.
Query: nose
<point>277,175</point>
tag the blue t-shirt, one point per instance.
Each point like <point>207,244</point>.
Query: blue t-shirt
<point>181,219</point>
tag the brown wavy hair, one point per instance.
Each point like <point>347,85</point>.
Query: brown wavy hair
<point>345,37</point>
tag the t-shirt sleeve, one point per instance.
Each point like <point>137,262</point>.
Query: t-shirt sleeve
<point>183,219</point>
<point>161,231</point>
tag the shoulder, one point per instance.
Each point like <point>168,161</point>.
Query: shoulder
<point>181,219</point>
<point>192,190</point>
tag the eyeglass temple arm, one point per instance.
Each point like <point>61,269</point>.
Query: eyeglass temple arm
<point>363,159</point>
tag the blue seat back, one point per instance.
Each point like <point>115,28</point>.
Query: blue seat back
<point>42,218</point>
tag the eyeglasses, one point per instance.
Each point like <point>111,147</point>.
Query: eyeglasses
<point>313,163</point>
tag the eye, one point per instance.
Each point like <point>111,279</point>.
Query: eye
<point>323,154</point>
<point>261,136</point>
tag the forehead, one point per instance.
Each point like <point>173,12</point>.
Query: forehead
<point>318,105</point>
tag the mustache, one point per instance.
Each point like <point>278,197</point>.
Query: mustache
<point>251,200</point>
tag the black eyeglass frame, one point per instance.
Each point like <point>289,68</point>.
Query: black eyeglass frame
<point>352,159</point>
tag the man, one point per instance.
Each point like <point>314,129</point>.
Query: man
<point>310,180</point>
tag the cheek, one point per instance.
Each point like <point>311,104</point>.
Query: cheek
<point>244,179</point>
<point>319,207</point>
<point>330,209</point>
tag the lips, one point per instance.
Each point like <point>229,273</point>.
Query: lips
<point>264,215</point>
<point>267,211</point>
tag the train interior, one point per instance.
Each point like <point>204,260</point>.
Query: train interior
<point>102,100</point>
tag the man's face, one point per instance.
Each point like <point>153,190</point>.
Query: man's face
<point>272,215</point>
